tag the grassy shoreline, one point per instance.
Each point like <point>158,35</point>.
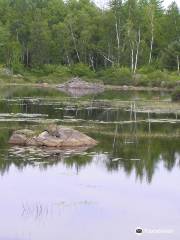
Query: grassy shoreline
<point>114,78</point>
<point>106,87</point>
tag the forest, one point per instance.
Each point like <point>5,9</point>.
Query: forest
<point>133,35</point>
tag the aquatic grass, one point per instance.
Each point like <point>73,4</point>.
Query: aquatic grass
<point>100,132</point>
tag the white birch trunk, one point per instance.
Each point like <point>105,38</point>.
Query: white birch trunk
<point>151,49</point>
<point>178,65</point>
<point>118,41</point>
<point>152,38</point>
<point>92,62</point>
<point>68,61</point>
<point>132,59</point>
<point>137,51</point>
<point>108,59</point>
<point>27,57</point>
<point>74,41</point>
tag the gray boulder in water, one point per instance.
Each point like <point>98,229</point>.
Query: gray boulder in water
<point>55,136</point>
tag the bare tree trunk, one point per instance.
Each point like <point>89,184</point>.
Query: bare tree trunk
<point>17,35</point>
<point>152,38</point>
<point>151,48</point>
<point>27,57</point>
<point>105,63</point>
<point>117,36</point>
<point>68,61</point>
<point>132,59</point>
<point>74,41</point>
<point>108,59</point>
<point>92,62</point>
<point>118,41</point>
<point>137,51</point>
<point>178,65</point>
<point>109,51</point>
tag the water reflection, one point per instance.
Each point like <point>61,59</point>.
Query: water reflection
<point>45,192</point>
<point>129,140</point>
<point>77,92</point>
<point>23,157</point>
<point>39,110</point>
<point>38,211</point>
<point>142,157</point>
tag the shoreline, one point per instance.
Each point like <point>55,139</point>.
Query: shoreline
<point>106,87</point>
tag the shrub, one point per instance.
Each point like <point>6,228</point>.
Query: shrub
<point>158,75</point>
<point>170,84</point>
<point>142,80</point>
<point>117,76</point>
<point>82,70</point>
<point>49,68</point>
<point>176,95</point>
<point>63,71</point>
<point>157,79</point>
<point>146,69</point>
<point>37,71</point>
<point>18,68</point>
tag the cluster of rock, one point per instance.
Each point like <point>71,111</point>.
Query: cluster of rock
<point>77,87</point>
<point>80,84</point>
<point>54,136</point>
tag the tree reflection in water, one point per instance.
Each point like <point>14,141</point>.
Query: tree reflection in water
<point>123,142</point>
<point>142,156</point>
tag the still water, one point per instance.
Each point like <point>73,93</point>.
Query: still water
<point>129,180</point>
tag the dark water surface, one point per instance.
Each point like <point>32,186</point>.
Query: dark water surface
<point>129,180</point>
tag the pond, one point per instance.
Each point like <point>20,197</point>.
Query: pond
<point>129,180</point>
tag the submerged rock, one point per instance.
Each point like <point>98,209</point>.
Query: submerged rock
<point>54,136</point>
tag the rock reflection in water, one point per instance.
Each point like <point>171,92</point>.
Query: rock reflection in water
<point>32,154</point>
<point>43,158</point>
<point>141,158</point>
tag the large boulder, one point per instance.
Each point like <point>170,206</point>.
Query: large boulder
<point>54,136</point>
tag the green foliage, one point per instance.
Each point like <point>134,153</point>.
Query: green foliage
<point>176,94</point>
<point>37,71</point>
<point>48,36</point>
<point>117,76</point>
<point>63,71</point>
<point>171,56</point>
<point>158,79</point>
<point>158,76</point>
<point>18,68</point>
<point>142,80</point>
<point>48,68</point>
<point>82,70</point>
<point>146,69</point>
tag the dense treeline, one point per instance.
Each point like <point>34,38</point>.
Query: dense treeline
<point>130,33</point>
